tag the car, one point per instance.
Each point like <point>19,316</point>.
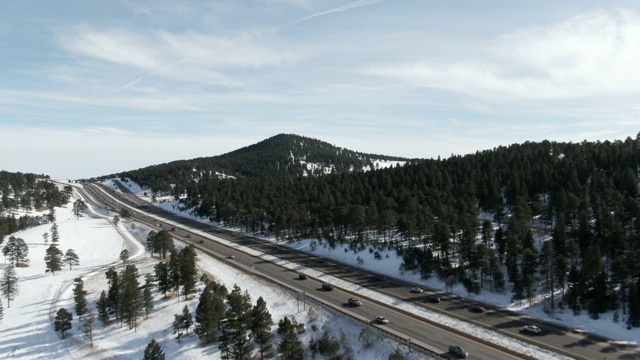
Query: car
<point>302,276</point>
<point>200,241</point>
<point>416,290</point>
<point>458,351</point>
<point>381,320</point>
<point>354,302</point>
<point>231,257</point>
<point>327,287</point>
<point>531,330</point>
<point>477,309</point>
<point>434,299</point>
<point>189,236</point>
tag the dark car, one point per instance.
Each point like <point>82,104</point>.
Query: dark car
<point>477,309</point>
<point>327,287</point>
<point>355,302</point>
<point>434,299</point>
<point>458,351</point>
<point>302,276</point>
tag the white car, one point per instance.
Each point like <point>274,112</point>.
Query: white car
<point>531,329</point>
<point>416,290</point>
<point>381,320</point>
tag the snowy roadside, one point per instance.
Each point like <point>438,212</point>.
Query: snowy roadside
<point>26,331</point>
<point>380,267</point>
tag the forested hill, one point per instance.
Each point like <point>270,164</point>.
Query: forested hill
<point>22,193</point>
<point>469,218</point>
<point>282,156</point>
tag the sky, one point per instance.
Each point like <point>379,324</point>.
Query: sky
<point>91,88</point>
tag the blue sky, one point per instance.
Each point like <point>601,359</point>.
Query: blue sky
<point>90,88</point>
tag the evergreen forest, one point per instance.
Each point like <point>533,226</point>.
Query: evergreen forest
<point>546,216</point>
<point>26,193</point>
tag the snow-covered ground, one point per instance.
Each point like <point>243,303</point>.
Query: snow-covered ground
<point>389,266</point>
<point>26,330</point>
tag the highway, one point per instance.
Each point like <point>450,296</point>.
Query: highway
<point>419,331</point>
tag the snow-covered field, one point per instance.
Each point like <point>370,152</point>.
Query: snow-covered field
<point>26,330</point>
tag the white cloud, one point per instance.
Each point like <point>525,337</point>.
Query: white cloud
<point>585,56</point>
<point>187,57</point>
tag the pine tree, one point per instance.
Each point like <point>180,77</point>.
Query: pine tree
<point>87,327</point>
<point>124,256</point>
<point>163,243</point>
<point>55,236</point>
<point>78,207</point>
<point>9,284</point>
<point>102,306</point>
<point>80,298</point>
<point>234,341</point>
<point>71,258</point>
<point>130,299</point>
<point>261,323</point>
<point>113,294</point>
<point>209,312</point>
<point>150,242</point>
<point>53,259</point>
<point>174,270</point>
<point>45,236</point>
<point>182,321</point>
<point>187,319</point>
<point>290,346</point>
<point>188,272</point>
<point>397,355</point>
<point>147,297</point>
<point>153,351</point>
<point>62,321</point>
<point>16,250</point>
<point>162,277</point>
<point>1,311</point>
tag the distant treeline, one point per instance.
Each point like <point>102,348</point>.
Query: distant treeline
<point>26,193</point>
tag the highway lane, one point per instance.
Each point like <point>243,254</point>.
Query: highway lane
<point>555,338</point>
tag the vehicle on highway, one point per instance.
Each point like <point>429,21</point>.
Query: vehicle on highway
<point>200,241</point>
<point>416,290</point>
<point>477,309</point>
<point>381,320</point>
<point>189,236</point>
<point>327,287</point>
<point>354,302</point>
<point>434,299</point>
<point>173,228</point>
<point>458,351</point>
<point>231,257</point>
<point>302,276</point>
<point>531,330</point>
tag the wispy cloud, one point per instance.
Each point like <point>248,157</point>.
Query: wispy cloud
<point>587,55</point>
<point>189,57</point>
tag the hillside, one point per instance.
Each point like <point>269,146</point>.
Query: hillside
<point>282,156</point>
<point>531,218</point>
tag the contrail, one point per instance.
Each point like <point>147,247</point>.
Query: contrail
<point>346,7</point>
<point>343,8</point>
